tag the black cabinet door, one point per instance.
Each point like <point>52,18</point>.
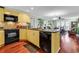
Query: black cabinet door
<point>11,35</point>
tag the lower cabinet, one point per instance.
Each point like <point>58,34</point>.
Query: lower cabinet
<point>2,41</point>
<point>48,41</point>
<point>22,34</point>
<point>55,42</point>
<point>33,37</point>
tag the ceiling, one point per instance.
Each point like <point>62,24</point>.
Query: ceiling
<point>48,11</point>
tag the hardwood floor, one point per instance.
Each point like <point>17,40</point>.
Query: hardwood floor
<point>19,47</point>
<point>69,43</point>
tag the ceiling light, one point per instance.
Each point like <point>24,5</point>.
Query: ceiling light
<point>27,10</point>
<point>32,8</point>
<point>56,13</point>
<point>55,18</point>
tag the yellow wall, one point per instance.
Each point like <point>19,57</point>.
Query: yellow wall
<point>55,43</point>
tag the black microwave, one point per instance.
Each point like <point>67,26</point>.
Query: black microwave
<point>11,18</point>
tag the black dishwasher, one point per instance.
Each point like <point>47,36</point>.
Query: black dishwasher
<point>45,41</point>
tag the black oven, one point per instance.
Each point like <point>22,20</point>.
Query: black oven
<point>11,35</point>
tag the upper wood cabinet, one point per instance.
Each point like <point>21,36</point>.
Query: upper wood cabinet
<point>11,12</point>
<point>1,14</point>
<point>23,18</point>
